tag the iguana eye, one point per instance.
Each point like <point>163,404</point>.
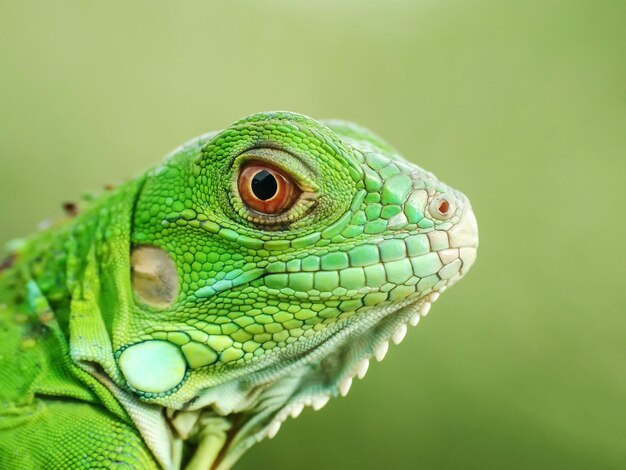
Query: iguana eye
<point>266,189</point>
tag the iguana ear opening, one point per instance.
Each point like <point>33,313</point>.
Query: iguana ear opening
<point>154,276</point>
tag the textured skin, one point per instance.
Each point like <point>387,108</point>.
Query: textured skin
<point>168,325</point>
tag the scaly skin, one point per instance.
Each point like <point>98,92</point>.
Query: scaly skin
<point>170,326</point>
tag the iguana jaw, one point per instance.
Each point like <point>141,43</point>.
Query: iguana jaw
<point>325,371</point>
<point>253,406</point>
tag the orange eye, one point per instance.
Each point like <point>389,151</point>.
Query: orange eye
<point>266,189</point>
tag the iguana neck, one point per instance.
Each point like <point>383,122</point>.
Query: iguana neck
<point>54,261</point>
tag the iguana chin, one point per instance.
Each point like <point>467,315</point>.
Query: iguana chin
<point>183,316</point>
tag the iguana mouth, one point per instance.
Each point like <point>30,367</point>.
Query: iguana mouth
<point>358,325</point>
<point>222,419</point>
<point>332,364</point>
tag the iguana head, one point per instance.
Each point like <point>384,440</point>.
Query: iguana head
<point>271,260</point>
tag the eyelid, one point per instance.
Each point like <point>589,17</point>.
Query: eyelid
<point>302,174</point>
<point>304,178</point>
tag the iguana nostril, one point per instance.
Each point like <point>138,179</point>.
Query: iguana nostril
<point>443,208</point>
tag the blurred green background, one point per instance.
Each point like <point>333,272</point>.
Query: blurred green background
<point>521,105</point>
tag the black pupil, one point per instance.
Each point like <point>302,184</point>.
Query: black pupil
<point>264,185</point>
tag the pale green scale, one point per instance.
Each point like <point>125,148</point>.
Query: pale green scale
<point>241,336</point>
<point>373,211</point>
<point>438,240</point>
<point>311,263</point>
<point>250,242</point>
<point>357,200</point>
<point>399,271</point>
<point>329,312</point>
<point>198,355</point>
<point>304,314</point>
<point>199,336</point>
<point>229,328</point>
<point>415,206</point>
<point>250,346</point>
<point>389,211</point>
<point>390,170</point>
<point>392,249</point>
<point>262,338</point>
<point>273,327</point>
<point>450,270</point>
<point>427,282</point>
<point>336,260</point>
<point>212,329</point>
<point>417,244</point>
<point>375,275</point>
<point>283,316</point>
<point>426,265</point>
<point>364,255</point>
<point>376,161</point>
<point>401,292</point>
<point>293,266</point>
<point>276,281</point>
<point>153,366</point>
<point>375,227</point>
<point>358,218</point>
<point>326,281</point>
<point>231,355</point>
<point>350,305</point>
<point>244,321</point>
<point>337,227</point>
<point>371,198</point>
<point>263,319</point>
<point>270,309</point>
<point>425,223</point>
<point>397,221</point>
<point>178,337</point>
<point>306,240</point>
<point>301,281</point>
<point>281,335</point>
<point>339,291</point>
<point>374,298</point>
<point>373,183</point>
<point>396,189</point>
<point>352,278</point>
<point>277,245</point>
<point>276,267</point>
<point>219,343</point>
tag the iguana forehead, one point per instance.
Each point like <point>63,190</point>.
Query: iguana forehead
<point>247,295</point>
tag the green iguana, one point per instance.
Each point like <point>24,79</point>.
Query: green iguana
<point>180,318</point>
